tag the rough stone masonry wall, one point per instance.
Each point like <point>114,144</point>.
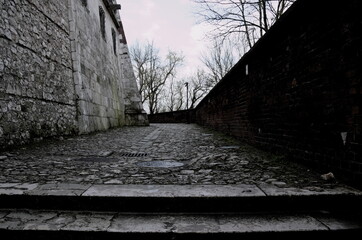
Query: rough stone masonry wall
<point>298,90</point>
<point>134,113</point>
<point>58,74</point>
<point>98,81</point>
<point>36,84</point>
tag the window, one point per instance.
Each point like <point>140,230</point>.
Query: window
<point>114,38</point>
<point>102,18</point>
<point>84,3</point>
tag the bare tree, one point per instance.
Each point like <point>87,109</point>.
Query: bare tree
<point>152,72</point>
<point>243,19</point>
<point>218,61</point>
<point>170,97</point>
<point>197,88</point>
<point>181,96</point>
<point>185,94</point>
<point>141,60</point>
<point>175,96</point>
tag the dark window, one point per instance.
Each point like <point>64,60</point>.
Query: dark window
<point>102,17</point>
<point>84,3</point>
<point>114,38</point>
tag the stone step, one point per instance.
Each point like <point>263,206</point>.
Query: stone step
<point>177,198</point>
<point>38,224</point>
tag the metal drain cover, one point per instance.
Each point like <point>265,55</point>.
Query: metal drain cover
<point>160,164</point>
<point>138,154</point>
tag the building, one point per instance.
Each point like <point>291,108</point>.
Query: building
<point>64,69</point>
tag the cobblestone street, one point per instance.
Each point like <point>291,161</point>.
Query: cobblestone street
<point>83,158</point>
<point>158,154</point>
<point>169,179</point>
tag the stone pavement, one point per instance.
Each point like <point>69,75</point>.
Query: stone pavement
<point>159,154</point>
<point>166,181</point>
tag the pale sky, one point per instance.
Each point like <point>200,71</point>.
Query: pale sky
<point>170,24</point>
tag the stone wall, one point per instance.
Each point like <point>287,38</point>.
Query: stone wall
<point>134,113</point>
<point>298,90</point>
<point>96,68</point>
<point>62,71</point>
<point>36,84</point>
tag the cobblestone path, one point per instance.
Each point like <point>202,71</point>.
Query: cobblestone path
<point>158,154</point>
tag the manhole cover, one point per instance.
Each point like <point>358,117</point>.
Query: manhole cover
<point>160,164</point>
<point>96,159</point>
<point>125,154</point>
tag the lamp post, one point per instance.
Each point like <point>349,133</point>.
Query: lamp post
<point>187,95</point>
<point>187,103</point>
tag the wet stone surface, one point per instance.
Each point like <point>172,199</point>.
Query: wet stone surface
<point>187,154</point>
<point>160,164</point>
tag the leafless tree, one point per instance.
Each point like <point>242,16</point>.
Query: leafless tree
<point>243,19</point>
<point>152,72</point>
<point>175,97</point>
<point>197,88</point>
<point>141,59</point>
<point>218,61</point>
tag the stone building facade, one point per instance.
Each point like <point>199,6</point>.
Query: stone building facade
<point>64,69</point>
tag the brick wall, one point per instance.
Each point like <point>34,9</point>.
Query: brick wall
<point>183,116</point>
<point>298,90</point>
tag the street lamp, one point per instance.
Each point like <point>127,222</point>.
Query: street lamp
<point>187,95</point>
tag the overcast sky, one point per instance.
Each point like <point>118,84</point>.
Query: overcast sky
<point>170,24</point>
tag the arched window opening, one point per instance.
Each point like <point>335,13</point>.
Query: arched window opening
<point>102,18</point>
<point>84,3</point>
<point>114,38</point>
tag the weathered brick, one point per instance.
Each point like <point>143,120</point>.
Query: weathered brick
<point>302,90</point>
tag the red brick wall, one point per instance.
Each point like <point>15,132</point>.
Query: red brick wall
<point>303,89</point>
